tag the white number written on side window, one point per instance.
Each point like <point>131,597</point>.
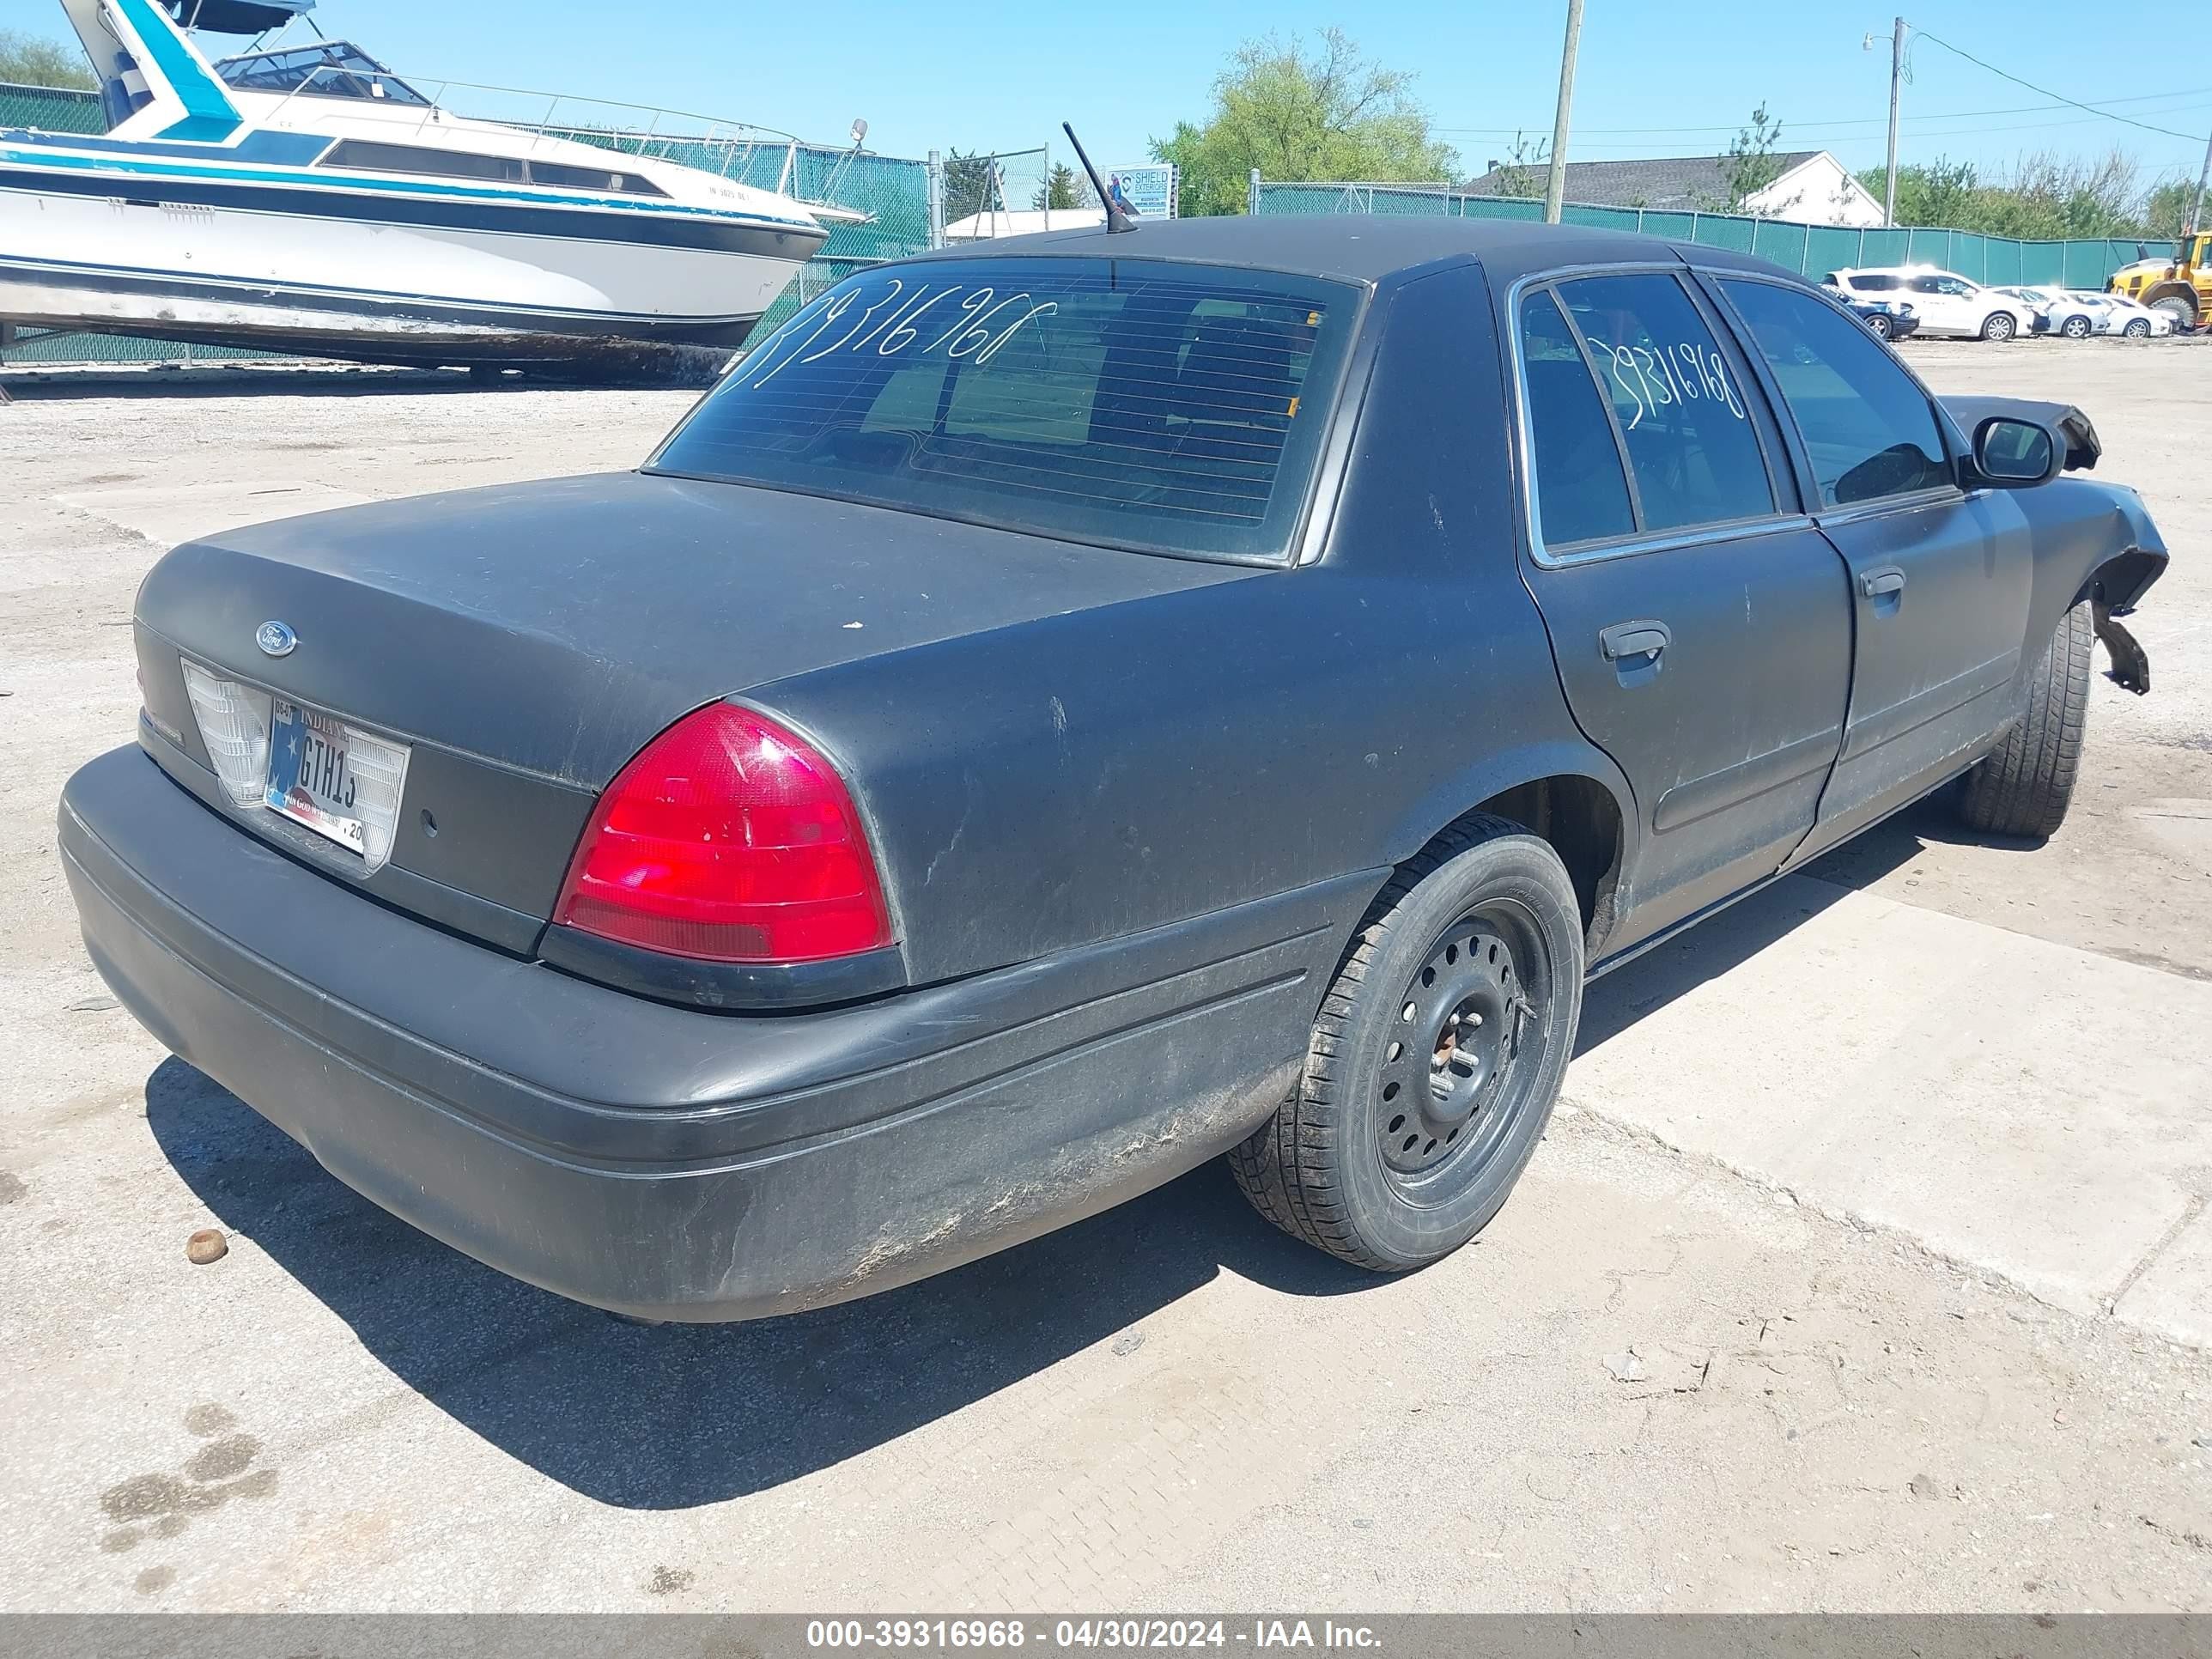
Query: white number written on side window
<point>959,321</point>
<point>1653,377</point>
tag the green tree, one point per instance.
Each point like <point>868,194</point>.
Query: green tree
<point>971,185</point>
<point>1061,191</point>
<point>1939,193</point>
<point>1752,163</point>
<point>2045,198</point>
<point>2166,210</point>
<point>33,63</point>
<point>1303,113</point>
<point>1524,172</point>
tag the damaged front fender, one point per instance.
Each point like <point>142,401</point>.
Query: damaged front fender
<point>2115,584</point>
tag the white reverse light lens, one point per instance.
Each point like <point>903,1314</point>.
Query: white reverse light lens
<point>233,722</point>
<point>379,774</point>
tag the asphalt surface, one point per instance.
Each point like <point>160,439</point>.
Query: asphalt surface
<point>1867,1266</point>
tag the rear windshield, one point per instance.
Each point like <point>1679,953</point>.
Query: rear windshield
<point>1170,407</point>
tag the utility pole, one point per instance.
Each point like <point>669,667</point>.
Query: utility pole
<point>2196,206</point>
<point>1896,90</point>
<point>1555,187</point>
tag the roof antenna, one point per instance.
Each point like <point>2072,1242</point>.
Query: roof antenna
<point>1116,219</point>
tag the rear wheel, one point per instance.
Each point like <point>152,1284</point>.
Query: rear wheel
<point>2000,326</point>
<point>2023,786</point>
<point>1435,1059</point>
<point>2076,327</point>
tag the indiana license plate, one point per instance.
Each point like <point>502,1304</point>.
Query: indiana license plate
<point>338,781</point>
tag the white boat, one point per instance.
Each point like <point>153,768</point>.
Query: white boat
<point>304,198</point>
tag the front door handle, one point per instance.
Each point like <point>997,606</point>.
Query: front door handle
<point>1880,583</point>
<point>1644,638</point>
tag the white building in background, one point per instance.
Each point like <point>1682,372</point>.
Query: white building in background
<point>1813,187</point>
<point>1022,222</point>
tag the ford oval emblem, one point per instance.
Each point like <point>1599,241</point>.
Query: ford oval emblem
<point>275,639</point>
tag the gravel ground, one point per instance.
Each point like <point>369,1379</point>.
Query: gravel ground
<point>1713,1356</point>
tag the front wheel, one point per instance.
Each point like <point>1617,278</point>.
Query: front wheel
<point>2000,326</point>
<point>2024,785</point>
<point>2076,327</point>
<point>1878,326</point>
<point>1435,1059</point>
<point>2138,328</point>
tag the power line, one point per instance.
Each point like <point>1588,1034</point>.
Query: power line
<point>1817,136</point>
<point>1831,124</point>
<point>2047,92</point>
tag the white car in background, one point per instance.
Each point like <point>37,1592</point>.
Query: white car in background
<point>2057,312</point>
<point>1946,302</point>
<point>2129,318</point>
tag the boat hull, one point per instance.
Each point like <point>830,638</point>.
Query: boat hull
<point>346,275</point>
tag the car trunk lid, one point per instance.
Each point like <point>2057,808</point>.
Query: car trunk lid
<point>523,641</point>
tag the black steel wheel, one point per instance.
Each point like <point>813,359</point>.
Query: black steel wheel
<point>1436,1058</point>
<point>1458,1072</point>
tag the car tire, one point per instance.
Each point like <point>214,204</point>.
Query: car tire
<point>2023,786</point>
<point>1435,1059</point>
<point>1878,326</point>
<point>2138,328</point>
<point>2000,326</point>
<point>2076,327</point>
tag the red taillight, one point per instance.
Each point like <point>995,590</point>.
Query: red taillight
<point>730,839</point>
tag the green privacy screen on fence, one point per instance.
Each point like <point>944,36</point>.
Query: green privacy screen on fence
<point>1811,250</point>
<point>54,108</point>
<point>893,192</point>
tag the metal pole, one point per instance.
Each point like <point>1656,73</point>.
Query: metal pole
<point>936,201</point>
<point>1047,184</point>
<point>1555,187</point>
<point>1252,194</point>
<point>1896,90</point>
<point>2196,207</point>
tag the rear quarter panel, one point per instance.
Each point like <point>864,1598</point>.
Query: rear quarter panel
<point>1129,766</point>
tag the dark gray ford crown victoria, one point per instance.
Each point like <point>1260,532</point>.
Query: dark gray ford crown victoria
<point>1052,716</point>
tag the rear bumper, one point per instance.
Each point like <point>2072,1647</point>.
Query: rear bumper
<point>663,1162</point>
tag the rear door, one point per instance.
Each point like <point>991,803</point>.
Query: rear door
<point>1941,305</point>
<point>1700,623</point>
<point>1939,578</point>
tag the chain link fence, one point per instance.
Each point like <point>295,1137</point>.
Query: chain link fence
<point>1810,250</point>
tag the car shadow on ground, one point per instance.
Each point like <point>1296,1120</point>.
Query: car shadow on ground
<point>1715,945</point>
<point>674,1416</point>
<point>1867,857</point>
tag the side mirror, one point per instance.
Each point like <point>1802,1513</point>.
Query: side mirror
<point>2015,454</point>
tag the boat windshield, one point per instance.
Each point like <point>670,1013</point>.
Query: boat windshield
<point>326,69</point>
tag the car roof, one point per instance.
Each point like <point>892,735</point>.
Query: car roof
<point>1362,247</point>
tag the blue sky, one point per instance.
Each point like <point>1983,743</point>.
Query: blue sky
<point>1655,80</point>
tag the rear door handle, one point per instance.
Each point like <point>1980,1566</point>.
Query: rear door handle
<point>1877,584</point>
<point>1644,638</point>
